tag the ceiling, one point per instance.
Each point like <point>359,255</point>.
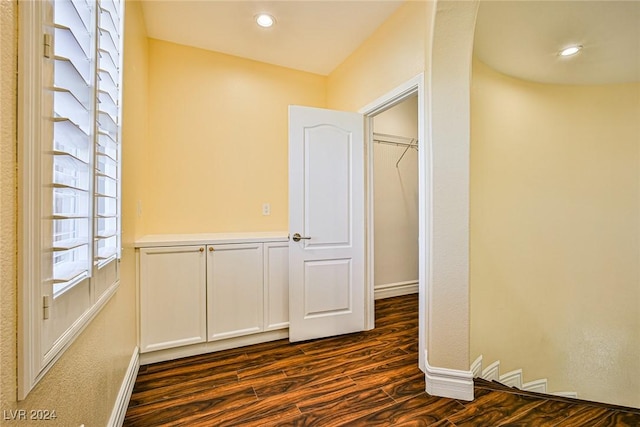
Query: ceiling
<point>314,36</point>
<point>518,38</point>
<point>522,39</point>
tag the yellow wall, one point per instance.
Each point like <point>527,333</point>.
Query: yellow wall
<point>218,132</point>
<point>135,122</point>
<point>393,54</point>
<point>555,234</point>
<point>82,386</point>
<point>218,125</point>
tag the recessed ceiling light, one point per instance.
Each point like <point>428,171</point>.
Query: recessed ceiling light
<point>570,50</point>
<point>265,20</point>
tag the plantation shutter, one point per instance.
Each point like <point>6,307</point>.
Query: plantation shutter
<point>73,106</point>
<point>85,217</point>
<point>107,179</point>
<point>70,167</point>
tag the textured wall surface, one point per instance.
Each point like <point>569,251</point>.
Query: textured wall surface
<point>8,84</point>
<point>555,235</point>
<point>450,66</point>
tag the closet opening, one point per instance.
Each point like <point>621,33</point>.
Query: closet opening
<point>395,146</point>
<point>395,199</point>
<point>397,210</point>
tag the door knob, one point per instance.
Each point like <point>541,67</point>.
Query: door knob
<point>297,237</point>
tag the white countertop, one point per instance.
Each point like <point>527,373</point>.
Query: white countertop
<point>158,240</point>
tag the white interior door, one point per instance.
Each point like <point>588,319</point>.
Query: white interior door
<point>326,209</point>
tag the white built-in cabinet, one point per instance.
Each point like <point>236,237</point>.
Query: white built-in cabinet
<point>235,291</point>
<point>173,297</point>
<point>218,290</point>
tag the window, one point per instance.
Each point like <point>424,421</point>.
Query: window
<point>69,147</point>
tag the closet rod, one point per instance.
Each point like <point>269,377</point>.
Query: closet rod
<point>397,144</point>
<point>392,139</point>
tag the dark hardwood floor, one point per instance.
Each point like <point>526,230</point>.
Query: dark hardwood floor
<point>363,379</point>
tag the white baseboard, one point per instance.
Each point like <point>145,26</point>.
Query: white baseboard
<point>451,383</point>
<point>208,347</point>
<point>476,367</point>
<point>537,386</point>
<point>492,372</point>
<point>122,400</point>
<point>512,379</point>
<point>389,290</point>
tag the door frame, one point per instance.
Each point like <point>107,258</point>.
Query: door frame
<point>407,89</point>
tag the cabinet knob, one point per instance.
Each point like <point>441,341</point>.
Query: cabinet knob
<point>201,249</point>
<point>211,249</point>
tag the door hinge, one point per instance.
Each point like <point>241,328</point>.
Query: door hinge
<point>45,306</point>
<point>48,45</point>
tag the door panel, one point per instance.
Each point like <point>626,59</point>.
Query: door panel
<point>327,213</point>
<point>326,207</point>
<point>327,287</point>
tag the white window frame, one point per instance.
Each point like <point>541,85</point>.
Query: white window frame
<point>34,360</point>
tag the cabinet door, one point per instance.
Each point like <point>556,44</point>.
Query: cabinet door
<point>276,285</point>
<point>172,297</point>
<point>234,290</point>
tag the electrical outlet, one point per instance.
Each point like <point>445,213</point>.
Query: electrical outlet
<point>139,208</point>
<point>266,209</point>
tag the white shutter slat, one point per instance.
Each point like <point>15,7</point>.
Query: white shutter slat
<point>76,162</point>
<point>107,166</point>
<point>76,15</point>
<point>84,9</point>
<point>107,252</point>
<point>107,43</point>
<point>67,45</point>
<point>107,84</point>
<point>107,123</point>
<point>107,23</point>
<point>63,245</point>
<point>113,9</point>
<point>106,207</point>
<point>67,77</point>
<point>107,63</point>
<point>103,152</point>
<point>66,106</point>
<point>103,234</point>
<point>106,187</point>
<point>68,133</point>
<point>69,272</point>
<point>107,104</point>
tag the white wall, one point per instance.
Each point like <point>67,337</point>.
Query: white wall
<point>396,198</point>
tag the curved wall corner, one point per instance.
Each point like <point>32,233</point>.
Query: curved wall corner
<point>448,128</point>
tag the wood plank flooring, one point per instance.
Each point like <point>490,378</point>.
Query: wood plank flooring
<point>364,379</point>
